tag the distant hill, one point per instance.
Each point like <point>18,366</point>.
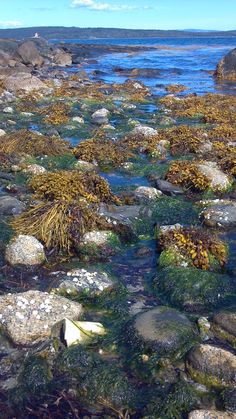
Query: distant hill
<point>61,32</point>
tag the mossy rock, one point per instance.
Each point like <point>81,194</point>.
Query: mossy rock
<point>171,210</point>
<point>193,289</point>
<point>75,361</point>
<point>157,334</point>
<point>171,257</point>
<point>224,327</point>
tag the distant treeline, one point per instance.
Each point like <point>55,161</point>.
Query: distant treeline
<point>60,32</point>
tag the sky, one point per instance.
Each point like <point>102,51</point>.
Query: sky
<point>132,14</point>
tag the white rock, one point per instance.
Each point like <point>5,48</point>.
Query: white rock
<point>8,109</point>
<point>25,250</point>
<point>144,130</point>
<point>218,179</point>
<point>35,169</point>
<point>100,117</point>
<point>2,132</point>
<point>147,192</point>
<point>96,237</point>
<point>78,119</point>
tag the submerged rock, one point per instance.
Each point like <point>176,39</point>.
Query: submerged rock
<point>212,366</point>
<point>163,331</point>
<point>221,215</point>
<point>210,414</point>
<point>25,250</point>
<point>11,206</point>
<point>27,317</point>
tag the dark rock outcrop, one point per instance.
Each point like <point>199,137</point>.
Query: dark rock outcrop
<point>226,68</point>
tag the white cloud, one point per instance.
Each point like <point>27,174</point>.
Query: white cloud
<point>98,6</point>
<point>10,24</point>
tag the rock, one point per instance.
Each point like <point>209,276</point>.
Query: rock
<point>219,181</point>
<point>8,109</point>
<point>98,244</point>
<point>34,169</point>
<point>224,326</point>
<point>147,193</point>
<point>62,58</point>
<point>221,215</point>
<point>212,366</point>
<point>100,117</point>
<point>25,250</point>
<point>30,54</point>
<point>162,330</point>
<point>226,69</point>
<point>27,317</point>
<point>77,332</point>
<point>193,289</point>
<point>92,282</point>
<point>2,132</point>
<point>211,414</point>
<point>167,188</point>
<point>144,130</point>
<point>11,206</point>
<point>229,398</point>
<point>99,238</point>
<point>85,166</point>
<point>167,120</point>
<point>23,81</point>
<point>78,119</point>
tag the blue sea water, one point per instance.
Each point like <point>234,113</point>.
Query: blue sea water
<point>189,61</point>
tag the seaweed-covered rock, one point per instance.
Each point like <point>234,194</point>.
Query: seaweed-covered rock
<point>212,366</point>
<point>92,282</point>
<point>25,250</point>
<point>27,317</point>
<point>210,414</point>
<point>220,215</point>
<point>224,326</point>
<point>226,69</point>
<point>35,376</point>
<point>75,361</point>
<point>9,205</point>
<point>193,289</point>
<point>163,331</point>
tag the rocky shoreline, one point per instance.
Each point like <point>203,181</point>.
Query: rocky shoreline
<point>117,264</point>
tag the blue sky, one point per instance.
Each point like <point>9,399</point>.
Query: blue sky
<point>145,14</point>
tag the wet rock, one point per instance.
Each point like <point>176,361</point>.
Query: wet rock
<point>162,330</point>
<point>11,206</point>
<point>27,317</point>
<point>2,132</point>
<point>100,117</point>
<point>147,193</point>
<point>167,188</point>
<point>25,250</point>
<point>212,366</point>
<point>210,414</point>
<point>34,169</point>
<point>35,377</point>
<point>219,181</point>
<point>91,282</point>
<point>226,68</point>
<point>221,215</point>
<point>193,289</point>
<point>224,326</point>
<point>29,54</point>
<point>23,81</point>
<point>144,130</point>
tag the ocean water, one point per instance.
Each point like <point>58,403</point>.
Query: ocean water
<point>189,61</point>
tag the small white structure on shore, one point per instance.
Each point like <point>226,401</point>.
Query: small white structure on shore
<point>36,35</point>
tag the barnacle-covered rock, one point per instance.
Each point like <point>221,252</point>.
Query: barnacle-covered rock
<point>25,250</point>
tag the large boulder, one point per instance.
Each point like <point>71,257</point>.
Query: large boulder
<point>29,54</point>
<point>212,366</point>
<point>25,250</point>
<point>226,68</point>
<point>62,58</point>
<point>27,317</point>
<point>23,81</point>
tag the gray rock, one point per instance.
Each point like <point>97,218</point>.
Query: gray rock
<point>90,281</point>
<point>224,326</point>
<point>219,181</point>
<point>34,169</point>
<point>221,215</point>
<point>100,117</point>
<point>212,366</point>
<point>99,238</point>
<point>147,193</point>
<point>29,54</point>
<point>25,250</point>
<point>164,330</point>
<point>144,130</point>
<point>27,317</point>
<point>62,58</point>
<point>167,187</point>
<point>11,206</point>
<point>23,81</point>
<point>211,414</point>
<point>125,215</point>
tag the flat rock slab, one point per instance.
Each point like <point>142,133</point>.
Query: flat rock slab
<point>27,317</point>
